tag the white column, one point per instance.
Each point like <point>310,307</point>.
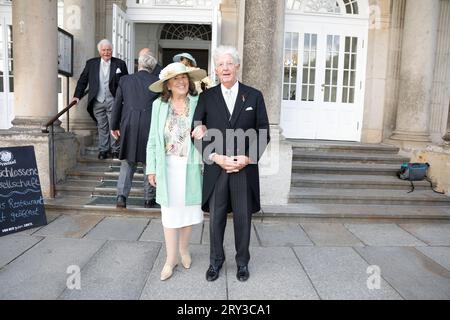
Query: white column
<point>79,20</point>
<point>417,70</point>
<point>35,62</point>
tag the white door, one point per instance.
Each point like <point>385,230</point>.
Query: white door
<point>122,37</point>
<point>323,81</point>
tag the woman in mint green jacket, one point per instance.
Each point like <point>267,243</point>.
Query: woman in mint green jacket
<point>173,163</point>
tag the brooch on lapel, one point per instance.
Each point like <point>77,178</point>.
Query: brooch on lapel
<point>243,98</point>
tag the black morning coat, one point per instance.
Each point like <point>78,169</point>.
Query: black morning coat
<point>131,114</point>
<point>249,113</point>
<point>91,77</point>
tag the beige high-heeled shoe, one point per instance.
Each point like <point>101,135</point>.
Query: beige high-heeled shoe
<point>167,271</point>
<point>186,261</point>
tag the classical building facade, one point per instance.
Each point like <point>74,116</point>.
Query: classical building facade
<point>367,71</point>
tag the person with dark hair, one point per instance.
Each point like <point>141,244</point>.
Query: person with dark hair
<point>130,121</point>
<point>102,76</point>
<point>173,163</point>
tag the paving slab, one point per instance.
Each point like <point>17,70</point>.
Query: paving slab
<point>275,274</point>
<point>411,273</point>
<point>70,226</point>
<point>383,235</point>
<point>330,234</point>
<point>228,240</point>
<point>13,246</point>
<point>433,234</point>
<point>117,228</point>
<point>50,218</point>
<point>155,232</point>
<point>439,254</point>
<point>281,234</point>
<point>186,284</point>
<point>117,272</point>
<point>41,273</point>
<point>340,273</point>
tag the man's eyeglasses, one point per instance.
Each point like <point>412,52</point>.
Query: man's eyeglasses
<point>225,64</point>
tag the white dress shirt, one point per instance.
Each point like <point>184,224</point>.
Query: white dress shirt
<point>230,96</point>
<point>105,66</point>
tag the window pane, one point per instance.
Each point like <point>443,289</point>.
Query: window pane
<point>307,42</point>
<point>353,64</point>
<point>312,77</point>
<point>1,85</point>
<point>335,77</point>
<point>312,58</point>
<point>354,45</point>
<point>286,92</point>
<point>347,44</point>
<point>287,40</point>
<point>294,41</point>
<point>333,94</point>
<point>327,94</point>
<point>346,78</point>
<point>11,84</point>
<point>286,75</point>
<point>304,93</point>
<point>352,78</point>
<point>293,93</point>
<point>294,75</point>
<point>335,61</point>
<point>351,96</point>
<point>344,95</point>
<point>305,76</point>
<point>314,42</point>
<point>311,93</point>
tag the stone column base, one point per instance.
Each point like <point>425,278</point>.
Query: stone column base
<point>411,136</point>
<point>276,170</point>
<point>66,151</point>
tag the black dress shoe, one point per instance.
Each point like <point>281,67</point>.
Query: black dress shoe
<point>242,273</point>
<point>213,273</point>
<point>148,204</point>
<point>115,155</point>
<point>102,155</point>
<point>121,202</point>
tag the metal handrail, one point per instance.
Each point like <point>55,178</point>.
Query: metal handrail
<point>45,129</point>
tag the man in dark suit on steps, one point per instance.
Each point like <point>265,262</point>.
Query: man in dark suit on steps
<point>102,75</point>
<point>230,112</point>
<point>130,120</point>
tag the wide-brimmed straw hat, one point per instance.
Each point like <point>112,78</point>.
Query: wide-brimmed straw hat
<point>186,55</point>
<point>173,70</point>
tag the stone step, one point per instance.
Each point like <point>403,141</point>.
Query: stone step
<point>104,206</point>
<point>344,168</point>
<point>367,196</point>
<point>305,211</point>
<point>300,155</point>
<point>338,146</point>
<point>100,172</point>
<point>354,182</point>
<point>348,211</point>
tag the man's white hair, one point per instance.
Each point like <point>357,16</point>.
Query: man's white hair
<point>222,50</point>
<point>104,42</point>
<point>146,62</point>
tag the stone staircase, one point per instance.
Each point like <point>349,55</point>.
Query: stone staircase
<point>338,179</point>
<point>329,180</point>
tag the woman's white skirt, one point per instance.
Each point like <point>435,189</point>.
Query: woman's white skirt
<point>177,214</point>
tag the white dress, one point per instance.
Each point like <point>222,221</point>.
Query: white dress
<point>177,138</point>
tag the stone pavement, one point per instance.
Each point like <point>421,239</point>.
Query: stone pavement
<point>292,259</point>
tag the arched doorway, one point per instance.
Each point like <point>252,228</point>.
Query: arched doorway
<point>325,56</point>
<point>192,38</point>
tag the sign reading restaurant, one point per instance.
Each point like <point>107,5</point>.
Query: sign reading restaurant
<point>21,201</point>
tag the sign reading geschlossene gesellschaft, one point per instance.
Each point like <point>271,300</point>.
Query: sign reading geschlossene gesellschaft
<point>21,201</point>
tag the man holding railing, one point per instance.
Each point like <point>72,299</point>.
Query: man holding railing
<point>102,75</point>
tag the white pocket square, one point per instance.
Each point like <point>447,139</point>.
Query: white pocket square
<point>118,71</point>
<point>249,109</point>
